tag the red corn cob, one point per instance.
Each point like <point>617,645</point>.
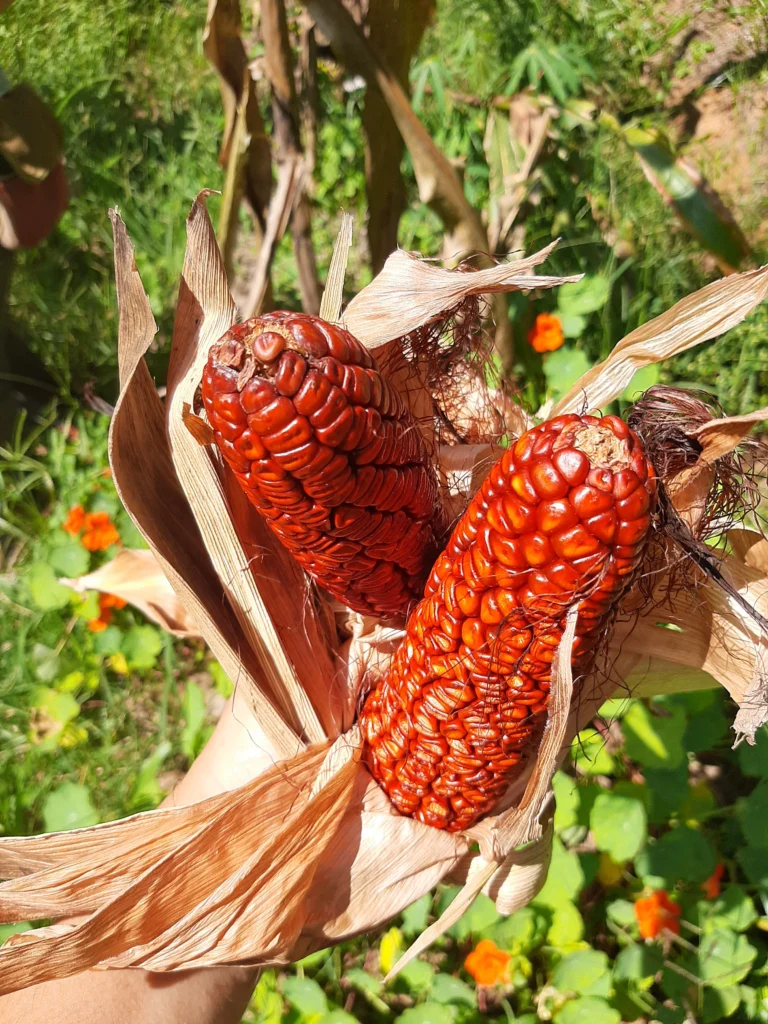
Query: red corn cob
<point>325,449</point>
<point>563,517</point>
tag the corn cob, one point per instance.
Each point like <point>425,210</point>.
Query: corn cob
<point>563,517</point>
<point>325,449</point>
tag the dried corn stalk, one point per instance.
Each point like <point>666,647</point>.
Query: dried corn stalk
<point>315,852</point>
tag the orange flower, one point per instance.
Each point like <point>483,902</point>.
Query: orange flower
<point>546,335</point>
<point>100,532</point>
<point>656,914</point>
<point>106,603</point>
<point>712,885</point>
<point>73,524</point>
<point>488,964</point>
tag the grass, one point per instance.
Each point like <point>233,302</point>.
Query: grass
<point>95,725</point>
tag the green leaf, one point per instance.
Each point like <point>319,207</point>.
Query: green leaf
<point>565,878</point>
<point>416,916</point>
<point>585,972</point>
<point>305,996</point>
<point>753,815</point>
<point>141,646</point>
<point>584,296</point>
<point>523,931</point>
<point>615,708</point>
<point>682,855</point>
<point>224,685</point>
<point>566,800</point>
<point>619,825</point>
<point>54,710</point>
<point>642,379</point>
<point>68,806</point>
<point>193,710</point>
<point>725,958</point>
<point>754,760</point>
<point>7,930</point>
<point>365,982</point>
<point>87,606</point>
<point>733,908</point>
<point>46,662</point>
<point>337,1017</point>
<point>426,1013</point>
<point>69,558</point>
<point>622,913</point>
<point>719,1003</point>
<point>475,921</point>
<point>416,976</point>
<point>146,793</point>
<point>589,753</point>
<point>587,1010</point>
<point>45,590</point>
<point>637,963</point>
<point>567,926</point>
<point>654,741</point>
<point>266,1001</point>
<point>668,791</point>
<point>754,861</point>
<point>563,368</point>
<point>447,989</point>
<point>573,325</point>
<point>108,642</point>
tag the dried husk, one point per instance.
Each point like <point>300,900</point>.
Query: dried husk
<point>311,851</point>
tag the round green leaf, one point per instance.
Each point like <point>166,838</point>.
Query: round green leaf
<point>476,920</point>
<point>589,753</point>
<point>654,741</point>
<point>416,916</point>
<point>567,926</point>
<point>69,558</point>
<point>725,958</point>
<point>566,800</point>
<point>587,1010</point>
<point>447,989</point>
<point>141,646</point>
<point>637,963</point>
<point>563,368</point>
<point>753,815</point>
<point>585,972</point>
<point>45,590</point>
<point>426,1013</point>
<point>619,825</point>
<point>682,855</point>
<point>584,296</point>
<point>305,996</point>
<point>69,806</point>
<point>565,878</point>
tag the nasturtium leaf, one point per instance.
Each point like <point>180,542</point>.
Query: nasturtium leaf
<point>567,926</point>
<point>416,916</point>
<point>573,325</point>
<point>719,1003</point>
<point>46,591</point>
<point>584,296</point>
<point>449,990</point>
<point>589,753</point>
<point>754,861</point>
<point>52,712</point>
<point>565,878</point>
<point>475,921</point>
<point>46,662</point>
<point>615,708</point>
<point>587,1010</point>
<point>68,806</point>
<point>734,908</point>
<point>524,931</point>
<point>668,790</point>
<point>585,972</point>
<point>654,741</point>
<point>141,646</point>
<point>698,804</point>
<point>566,800</point>
<point>146,793</point>
<point>108,642</point>
<point>563,368</point>
<point>725,958</point>
<point>426,1013</point>
<point>642,379</point>
<point>637,963</point>
<point>337,1016</point>
<point>365,982</point>
<point>87,606</point>
<point>69,558</point>
<point>622,914</point>
<point>681,855</point>
<point>619,825</point>
<point>7,930</point>
<point>305,996</point>
<point>753,760</point>
<point>224,685</point>
<point>266,1000</point>
<point>416,976</point>
<point>753,815</point>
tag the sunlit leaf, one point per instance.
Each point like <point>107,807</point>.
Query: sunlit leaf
<point>68,806</point>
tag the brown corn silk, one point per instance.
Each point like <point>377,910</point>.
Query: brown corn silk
<point>562,518</point>
<point>325,449</point>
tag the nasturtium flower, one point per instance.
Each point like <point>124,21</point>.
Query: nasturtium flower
<point>73,524</point>
<point>712,885</point>
<point>657,914</point>
<point>546,335</point>
<point>99,532</point>
<point>106,603</point>
<point>488,964</point>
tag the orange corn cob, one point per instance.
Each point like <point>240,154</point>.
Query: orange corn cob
<point>563,517</point>
<point>325,449</point>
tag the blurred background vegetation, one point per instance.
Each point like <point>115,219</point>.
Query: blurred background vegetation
<point>633,130</point>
